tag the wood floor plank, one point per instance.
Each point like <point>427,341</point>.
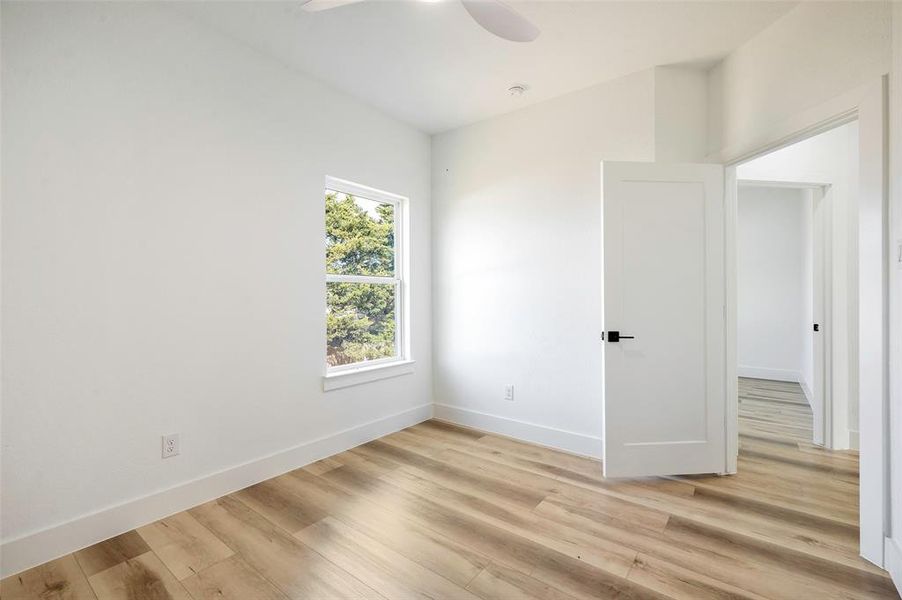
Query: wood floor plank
<point>781,571</point>
<point>111,552</point>
<point>616,509</point>
<point>604,554</point>
<point>800,453</point>
<point>274,501</point>
<point>309,494</point>
<point>390,573</point>
<point>483,538</point>
<point>644,494</point>
<point>800,501</point>
<point>582,580</point>
<point>497,582</point>
<point>683,584</point>
<point>321,466</point>
<point>573,575</point>
<point>722,555</point>
<point>295,569</point>
<point>60,579</point>
<point>184,545</point>
<point>393,528</point>
<point>450,474</point>
<point>231,579</point>
<point>144,577</point>
<point>580,464</point>
<point>406,438</point>
<point>707,508</point>
<point>780,508</point>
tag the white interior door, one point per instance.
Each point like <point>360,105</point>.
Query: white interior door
<point>664,282</point>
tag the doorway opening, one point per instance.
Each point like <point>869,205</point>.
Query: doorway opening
<point>796,275</point>
<point>783,308</point>
<point>865,226</point>
<point>797,291</point>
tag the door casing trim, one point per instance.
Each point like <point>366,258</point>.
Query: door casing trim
<point>868,104</point>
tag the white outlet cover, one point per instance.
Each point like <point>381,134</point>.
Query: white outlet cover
<point>509,392</point>
<point>170,445</point>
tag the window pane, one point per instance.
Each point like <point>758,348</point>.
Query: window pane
<point>360,322</point>
<point>360,236</point>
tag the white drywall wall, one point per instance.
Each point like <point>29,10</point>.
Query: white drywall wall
<point>813,53</point>
<point>681,113</point>
<point>830,158</point>
<point>894,542</point>
<point>772,289</point>
<point>517,261</point>
<point>163,261</point>
<point>806,372</point>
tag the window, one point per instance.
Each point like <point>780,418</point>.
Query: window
<point>365,287</point>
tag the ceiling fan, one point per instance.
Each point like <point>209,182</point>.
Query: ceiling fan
<point>493,15</point>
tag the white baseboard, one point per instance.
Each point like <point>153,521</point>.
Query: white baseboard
<point>47,544</point>
<point>568,441</point>
<point>893,557</point>
<point>809,395</point>
<point>853,440</point>
<point>767,373</point>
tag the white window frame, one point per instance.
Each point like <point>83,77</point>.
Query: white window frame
<point>401,363</point>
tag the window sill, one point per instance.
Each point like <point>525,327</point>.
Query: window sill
<point>343,379</point>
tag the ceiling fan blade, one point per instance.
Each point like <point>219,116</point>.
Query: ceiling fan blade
<point>498,18</point>
<point>318,5</point>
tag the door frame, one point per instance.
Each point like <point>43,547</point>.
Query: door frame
<point>868,104</point>
<point>822,284</point>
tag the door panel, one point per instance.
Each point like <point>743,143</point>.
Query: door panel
<point>664,283</point>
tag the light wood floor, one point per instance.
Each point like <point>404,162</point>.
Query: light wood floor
<point>439,511</point>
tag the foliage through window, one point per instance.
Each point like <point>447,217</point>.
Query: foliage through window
<point>363,283</point>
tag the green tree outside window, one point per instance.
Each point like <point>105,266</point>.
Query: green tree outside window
<point>360,317</point>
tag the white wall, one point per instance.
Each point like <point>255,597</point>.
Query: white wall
<point>517,263</point>
<point>163,267</point>
<point>815,52</point>
<point>772,287</point>
<point>830,158</point>
<point>681,114</point>
<point>894,541</point>
<point>806,379</point>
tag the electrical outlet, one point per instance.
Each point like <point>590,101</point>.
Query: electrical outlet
<point>170,445</point>
<point>509,392</point>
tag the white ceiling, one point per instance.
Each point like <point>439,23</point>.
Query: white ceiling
<point>431,65</point>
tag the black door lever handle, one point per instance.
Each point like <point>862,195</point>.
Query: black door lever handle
<point>614,336</point>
